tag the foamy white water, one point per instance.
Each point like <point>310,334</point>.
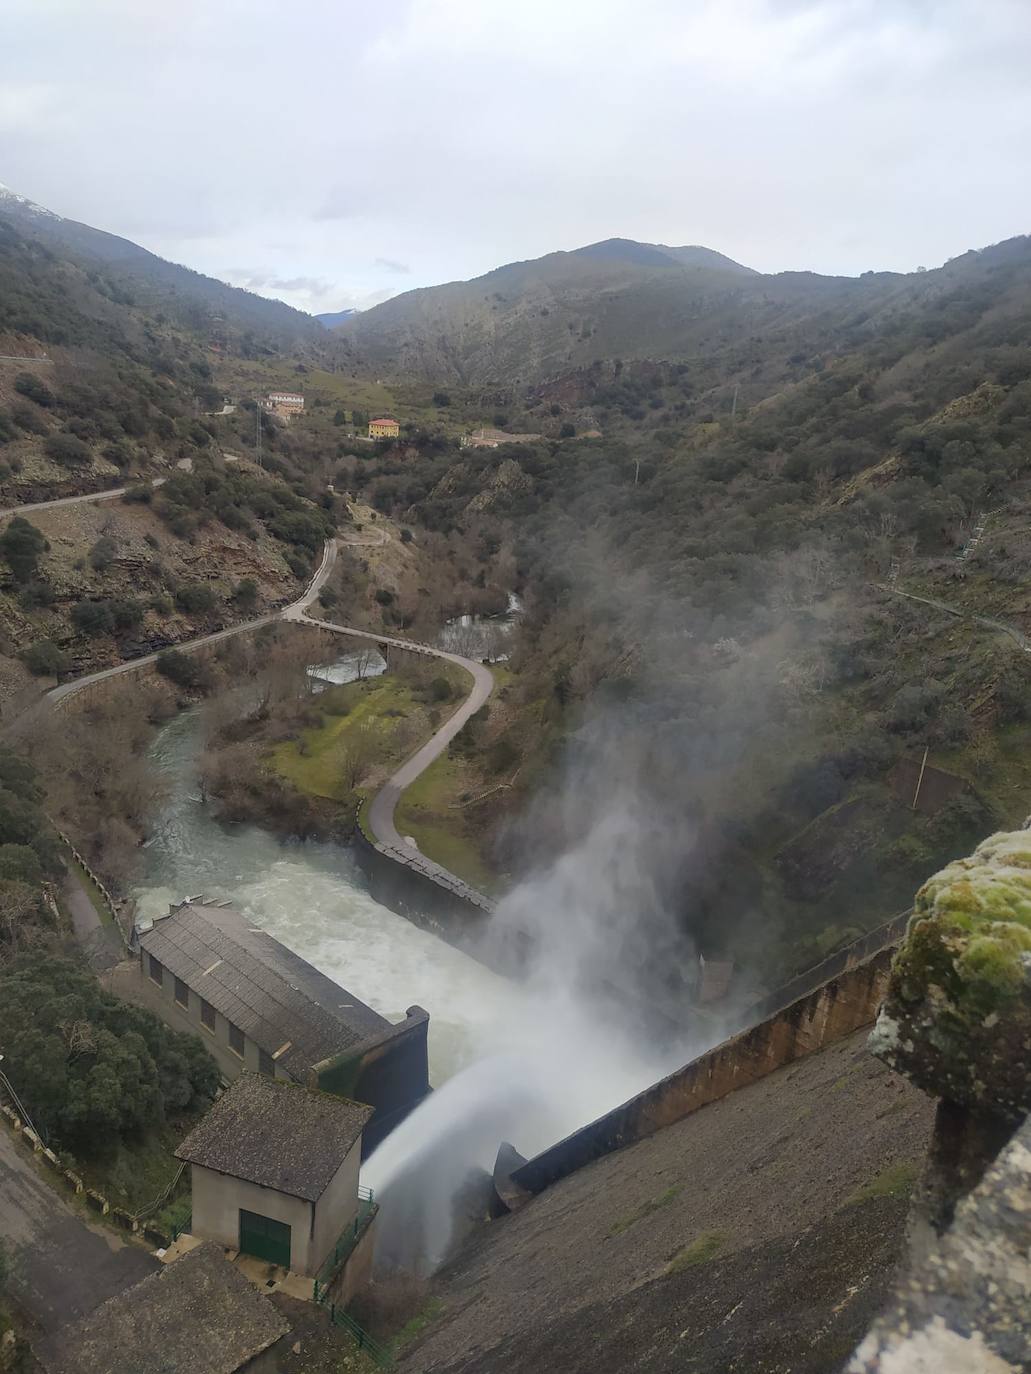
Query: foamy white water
<point>314,898</point>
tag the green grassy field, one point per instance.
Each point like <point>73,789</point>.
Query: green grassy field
<point>362,715</point>
<point>426,813</point>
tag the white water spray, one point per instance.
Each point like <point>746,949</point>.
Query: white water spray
<point>572,1047</point>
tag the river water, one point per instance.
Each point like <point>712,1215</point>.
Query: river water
<point>525,1062</point>
<point>314,898</point>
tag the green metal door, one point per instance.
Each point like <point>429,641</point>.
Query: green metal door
<point>268,1239</point>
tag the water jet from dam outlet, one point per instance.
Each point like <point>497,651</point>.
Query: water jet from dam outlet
<point>526,1062</point>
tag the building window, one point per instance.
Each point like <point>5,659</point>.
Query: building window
<point>182,993</point>
<point>154,969</point>
<point>236,1041</point>
<point>207,1015</point>
<point>266,1064</point>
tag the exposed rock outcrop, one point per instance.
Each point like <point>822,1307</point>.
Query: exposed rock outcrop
<point>957,1017</point>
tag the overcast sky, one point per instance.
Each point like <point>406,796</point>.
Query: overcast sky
<point>333,153</point>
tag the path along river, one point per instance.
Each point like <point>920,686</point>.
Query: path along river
<point>314,898</point>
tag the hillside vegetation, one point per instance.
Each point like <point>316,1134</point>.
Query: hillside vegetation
<point>737,478</point>
<point>720,594</point>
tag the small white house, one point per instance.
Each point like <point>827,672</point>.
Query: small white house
<point>275,1172</point>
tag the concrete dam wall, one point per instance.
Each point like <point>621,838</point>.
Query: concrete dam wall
<point>844,1004</point>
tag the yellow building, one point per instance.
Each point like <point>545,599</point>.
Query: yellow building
<point>384,428</point>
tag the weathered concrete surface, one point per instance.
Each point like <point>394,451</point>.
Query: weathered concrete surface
<point>967,1309</point>
<point>833,1011</point>
<point>62,1267</point>
<point>579,1278</point>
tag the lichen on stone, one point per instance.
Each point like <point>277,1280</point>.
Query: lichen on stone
<point>957,1017</point>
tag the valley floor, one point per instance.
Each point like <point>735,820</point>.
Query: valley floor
<point>760,1233</point>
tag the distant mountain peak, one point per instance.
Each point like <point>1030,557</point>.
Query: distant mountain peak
<point>6,194</point>
<point>659,255</point>
<point>331,318</point>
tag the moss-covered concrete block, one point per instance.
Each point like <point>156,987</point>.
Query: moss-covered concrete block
<point>957,1016</point>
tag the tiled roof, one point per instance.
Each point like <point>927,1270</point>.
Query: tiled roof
<point>383,420</point>
<point>277,1134</point>
<point>289,1009</point>
<point>197,1315</point>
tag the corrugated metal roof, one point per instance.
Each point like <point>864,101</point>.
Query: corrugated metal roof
<point>273,995</point>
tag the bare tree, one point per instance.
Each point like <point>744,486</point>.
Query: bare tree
<point>357,757</point>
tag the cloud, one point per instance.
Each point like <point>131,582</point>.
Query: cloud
<point>837,135</point>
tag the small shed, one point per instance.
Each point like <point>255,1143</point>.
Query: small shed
<point>275,1171</point>
<point>198,1315</point>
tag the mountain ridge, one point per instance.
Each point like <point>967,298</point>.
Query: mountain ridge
<point>196,300</point>
<point>529,321</point>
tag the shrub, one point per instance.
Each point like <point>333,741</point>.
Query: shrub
<point>184,670</point>
<point>440,689</point>
<point>246,594</point>
<point>28,384</point>
<point>67,450</point>
<point>103,552</point>
<point>384,596</point>
<point>28,419</point>
<point>196,598</point>
<point>21,545</point>
<point>37,594</point>
<point>92,618</point>
<point>406,536</point>
<point>45,659</point>
<point>126,613</point>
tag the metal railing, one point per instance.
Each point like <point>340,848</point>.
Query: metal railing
<point>348,1240</point>
<point>324,1278</point>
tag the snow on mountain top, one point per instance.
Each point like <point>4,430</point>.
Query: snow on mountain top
<point>7,194</point>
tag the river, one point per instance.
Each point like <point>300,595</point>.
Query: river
<point>314,898</point>
<point>524,1062</point>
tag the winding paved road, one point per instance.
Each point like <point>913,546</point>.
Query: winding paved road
<point>384,803</point>
<point>110,495</point>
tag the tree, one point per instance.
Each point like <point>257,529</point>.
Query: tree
<point>90,1068</point>
<point>357,756</point>
<point>21,545</point>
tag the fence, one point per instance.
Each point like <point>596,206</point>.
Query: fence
<point>324,1278</point>
<point>376,1352</point>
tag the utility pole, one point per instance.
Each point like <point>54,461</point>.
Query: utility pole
<point>257,433</point>
<point>733,404</point>
<point>637,471</point>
